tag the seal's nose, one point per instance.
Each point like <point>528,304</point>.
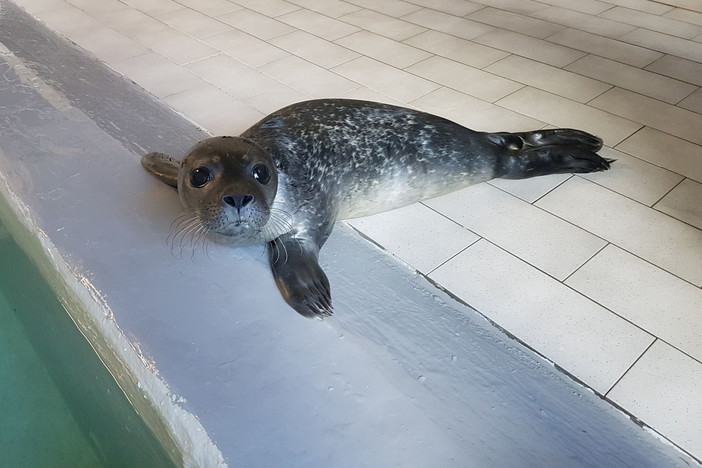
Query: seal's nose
<point>238,201</point>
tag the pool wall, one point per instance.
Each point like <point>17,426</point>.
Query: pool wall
<point>216,362</point>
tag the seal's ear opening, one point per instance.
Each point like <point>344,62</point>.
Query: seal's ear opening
<point>164,167</point>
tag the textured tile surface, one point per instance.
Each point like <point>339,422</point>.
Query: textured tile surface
<point>645,232</point>
<point>605,47</point>
<point>591,342</point>
<point>666,151</point>
<point>539,238</point>
<point>659,115</point>
<point>634,79</point>
<point>684,202</point>
<point>548,78</point>
<point>657,301</point>
<point>663,390</point>
<point>407,231</point>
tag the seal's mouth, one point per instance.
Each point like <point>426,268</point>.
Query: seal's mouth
<point>240,224</point>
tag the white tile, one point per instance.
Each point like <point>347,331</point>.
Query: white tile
<point>474,113</point>
<point>96,9</point>
<point>515,22</point>
<point>632,78</point>
<point>194,23</point>
<point>331,8</point>
<point>381,48</point>
<point>653,22</point>
<point>664,43</point>
<point>643,231</point>
<point>382,24</point>
<point>394,8</point>
<point>211,8</point>
<point>256,24</point>
<point>366,94</point>
<point>530,47</point>
<point>663,390</point>
<point>591,7</point>
<point>318,24</point>
<point>537,237</point>
<point>584,22</point>
<point>132,23</point>
<point>274,98</point>
<point>668,118</point>
<point>314,49</point>
<point>418,235</point>
<point>680,68</point>
<point>308,78</point>
<point>665,151</point>
<point>646,6</point>
<point>453,7</point>
<point>460,77</point>
<point>684,203</point>
<point>455,48</point>
<point>605,47</point>
<point>232,76</point>
<point>548,78</point>
<point>109,45</point>
<point>177,46</point>
<point>70,21</point>
<point>582,337</point>
<point>532,189</point>
<point>655,300</point>
<point>523,7</point>
<point>448,24</point>
<point>245,47</point>
<point>385,79</point>
<point>693,102</point>
<point>562,112</point>
<point>215,110</point>
<point>634,178</point>
<point>270,8</point>
<point>159,76</point>
<point>154,7</point>
<point>687,16</point>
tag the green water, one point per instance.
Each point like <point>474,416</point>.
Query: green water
<point>59,405</point>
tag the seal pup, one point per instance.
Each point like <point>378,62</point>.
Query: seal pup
<point>289,177</point>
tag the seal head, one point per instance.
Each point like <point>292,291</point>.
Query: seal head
<point>229,184</point>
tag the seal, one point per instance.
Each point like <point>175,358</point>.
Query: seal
<point>289,177</point>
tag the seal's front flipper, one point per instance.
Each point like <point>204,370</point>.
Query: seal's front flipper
<point>299,277</point>
<point>164,167</point>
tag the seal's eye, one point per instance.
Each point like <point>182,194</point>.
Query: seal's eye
<point>200,176</point>
<point>261,174</point>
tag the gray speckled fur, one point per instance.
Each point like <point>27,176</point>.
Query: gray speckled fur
<point>358,158</point>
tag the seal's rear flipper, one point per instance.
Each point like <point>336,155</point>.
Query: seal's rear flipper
<point>552,137</point>
<point>553,159</point>
<point>164,167</point>
<point>300,279</point>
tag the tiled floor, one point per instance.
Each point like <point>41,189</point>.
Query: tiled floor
<point>600,273</point>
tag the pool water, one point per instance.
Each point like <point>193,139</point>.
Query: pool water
<point>59,405</point>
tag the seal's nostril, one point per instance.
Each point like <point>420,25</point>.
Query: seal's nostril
<point>238,201</point>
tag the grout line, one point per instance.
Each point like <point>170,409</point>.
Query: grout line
<point>583,264</point>
<point>631,366</point>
